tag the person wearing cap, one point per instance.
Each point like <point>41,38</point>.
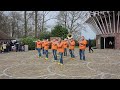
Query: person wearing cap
<point>54,48</point>
<point>60,49</point>
<point>43,51</point>
<point>82,47</point>
<point>39,46</point>
<point>46,47</point>
<point>71,48</point>
<point>65,47</point>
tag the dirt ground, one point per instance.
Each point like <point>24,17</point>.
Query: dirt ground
<point>102,64</point>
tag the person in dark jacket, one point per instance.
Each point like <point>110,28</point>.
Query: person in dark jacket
<point>7,47</point>
<point>20,46</point>
<point>89,45</point>
<point>17,46</point>
<point>11,44</point>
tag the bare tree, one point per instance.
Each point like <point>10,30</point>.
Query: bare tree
<point>62,18</point>
<point>25,24</point>
<point>44,14</point>
<point>36,23</point>
<point>3,22</point>
<point>27,16</point>
<point>70,20</point>
<point>43,19</point>
<point>14,23</point>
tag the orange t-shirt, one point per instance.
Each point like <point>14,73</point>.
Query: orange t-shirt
<point>72,45</point>
<point>43,44</point>
<point>54,46</point>
<point>46,45</point>
<point>82,45</point>
<point>60,47</point>
<point>39,44</point>
<point>65,44</point>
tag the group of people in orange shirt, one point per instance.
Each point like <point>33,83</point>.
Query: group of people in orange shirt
<point>60,46</point>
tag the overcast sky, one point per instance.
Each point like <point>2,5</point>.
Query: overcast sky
<point>89,34</point>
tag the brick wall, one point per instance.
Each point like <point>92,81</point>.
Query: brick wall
<point>98,41</point>
<point>117,41</point>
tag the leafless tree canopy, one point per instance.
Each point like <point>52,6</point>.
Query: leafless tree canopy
<point>18,24</point>
<point>70,20</point>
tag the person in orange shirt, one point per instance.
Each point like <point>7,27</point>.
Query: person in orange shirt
<point>65,47</point>
<point>43,52</point>
<point>82,47</point>
<point>39,46</point>
<point>46,47</point>
<point>71,47</point>
<point>60,49</point>
<point>54,48</point>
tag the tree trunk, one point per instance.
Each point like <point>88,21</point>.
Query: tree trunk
<point>25,28</point>
<point>43,21</point>
<point>66,19</point>
<point>36,23</point>
<point>12,30</point>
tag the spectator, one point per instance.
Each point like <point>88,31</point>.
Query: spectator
<point>90,46</point>
<point>20,46</point>
<point>11,44</point>
<point>4,46</point>
<point>1,48</point>
<point>17,46</point>
<point>7,47</point>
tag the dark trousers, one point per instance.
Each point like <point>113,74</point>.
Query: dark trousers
<point>82,54</point>
<point>46,52</point>
<point>43,51</point>
<point>65,52</point>
<point>90,49</point>
<point>72,53</point>
<point>61,57</point>
<point>39,52</point>
<point>17,49</point>
<point>7,49</point>
<point>54,54</point>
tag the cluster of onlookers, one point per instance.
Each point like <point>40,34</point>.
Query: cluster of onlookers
<point>11,46</point>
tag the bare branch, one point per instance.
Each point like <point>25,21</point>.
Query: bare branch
<point>46,13</point>
<point>49,19</point>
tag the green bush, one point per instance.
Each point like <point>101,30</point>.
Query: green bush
<point>30,42</point>
<point>59,31</point>
<point>44,35</point>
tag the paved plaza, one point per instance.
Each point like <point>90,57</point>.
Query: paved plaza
<point>102,64</point>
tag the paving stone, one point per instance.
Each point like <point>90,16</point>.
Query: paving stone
<point>102,64</point>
